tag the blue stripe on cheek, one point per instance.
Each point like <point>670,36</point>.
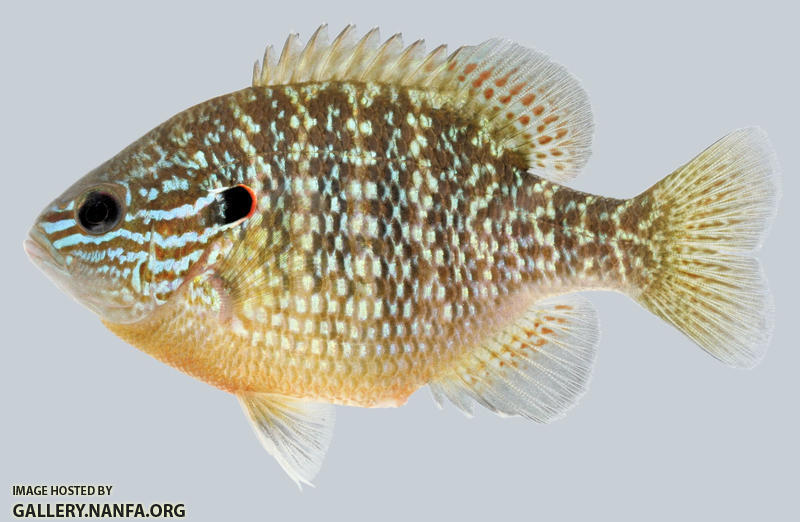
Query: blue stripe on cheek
<point>84,239</point>
<point>58,226</point>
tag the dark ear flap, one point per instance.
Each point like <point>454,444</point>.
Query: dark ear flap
<point>234,204</point>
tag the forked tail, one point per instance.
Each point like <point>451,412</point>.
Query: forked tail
<point>707,219</point>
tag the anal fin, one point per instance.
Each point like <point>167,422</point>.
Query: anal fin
<point>294,431</point>
<point>537,365</point>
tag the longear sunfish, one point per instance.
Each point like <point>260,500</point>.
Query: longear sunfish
<point>366,219</point>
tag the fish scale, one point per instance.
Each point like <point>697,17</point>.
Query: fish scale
<point>365,220</point>
<point>369,307</point>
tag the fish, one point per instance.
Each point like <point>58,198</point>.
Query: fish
<point>368,218</point>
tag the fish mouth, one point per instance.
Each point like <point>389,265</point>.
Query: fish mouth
<point>51,263</point>
<point>43,255</point>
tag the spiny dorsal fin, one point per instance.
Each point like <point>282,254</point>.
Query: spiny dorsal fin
<point>294,431</point>
<point>348,58</point>
<point>531,104</point>
<point>536,365</point>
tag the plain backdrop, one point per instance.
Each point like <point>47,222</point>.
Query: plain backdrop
<point>664,433</point>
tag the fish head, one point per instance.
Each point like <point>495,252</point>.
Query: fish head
<point>125,237</point>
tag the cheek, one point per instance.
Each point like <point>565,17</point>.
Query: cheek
<point>168,271</point>
<point>111,275</point>
<point>110,297</point>
<point>180,250</point>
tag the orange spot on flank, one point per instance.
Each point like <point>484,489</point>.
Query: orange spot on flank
<point>528,99</point>
<point>469,68</point>
<point>488,93</point>
<point>545,139</point>
<point>550,119</point>
<point>539,109</point>
<point>525,119</point>
<point>547,331</point>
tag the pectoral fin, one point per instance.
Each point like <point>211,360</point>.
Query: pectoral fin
<point>296,432</point>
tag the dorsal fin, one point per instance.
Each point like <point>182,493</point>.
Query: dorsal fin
<point>349,58</point>
<point>531,104</point>
<point>534,105</point>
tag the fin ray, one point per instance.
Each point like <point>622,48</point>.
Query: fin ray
<point>531,105</point>
<point>712,214</point>
<point>296,432</point>
<point>536,366</point>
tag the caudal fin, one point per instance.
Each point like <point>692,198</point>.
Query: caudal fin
<point>708,218</point>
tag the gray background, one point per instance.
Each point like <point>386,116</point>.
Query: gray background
<point>664,431</point>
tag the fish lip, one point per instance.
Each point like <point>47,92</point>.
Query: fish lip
<point>49,261</point>
<point>42,253</point>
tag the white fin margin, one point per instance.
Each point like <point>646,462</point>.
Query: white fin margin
<point>294,431</point>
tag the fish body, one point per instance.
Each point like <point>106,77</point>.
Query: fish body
<point>365,220</point>
<point>380,251</point>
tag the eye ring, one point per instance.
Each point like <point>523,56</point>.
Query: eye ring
<point>99,211</point>
<point>235,204</point>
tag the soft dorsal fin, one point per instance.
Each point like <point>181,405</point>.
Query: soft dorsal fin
<point>531,104</point>
<point>536,366</point>
<point>294,431</point>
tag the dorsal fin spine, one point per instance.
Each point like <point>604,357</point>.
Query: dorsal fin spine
<point>369,40</point>
<point>528,103</point>
<point>414,53</point>
<point>288,54</point>
<point>337,49</point>
<point>308,57</point>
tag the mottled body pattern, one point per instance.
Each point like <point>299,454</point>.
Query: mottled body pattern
<point>365,220</point>
<point>396,230</point>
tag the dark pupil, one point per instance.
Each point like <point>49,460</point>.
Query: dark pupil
<point>96,212</point>
<point>99,213</point>
<point>235,204</point>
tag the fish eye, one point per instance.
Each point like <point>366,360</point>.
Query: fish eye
<point>99,212</point>
<point>235,203</point>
